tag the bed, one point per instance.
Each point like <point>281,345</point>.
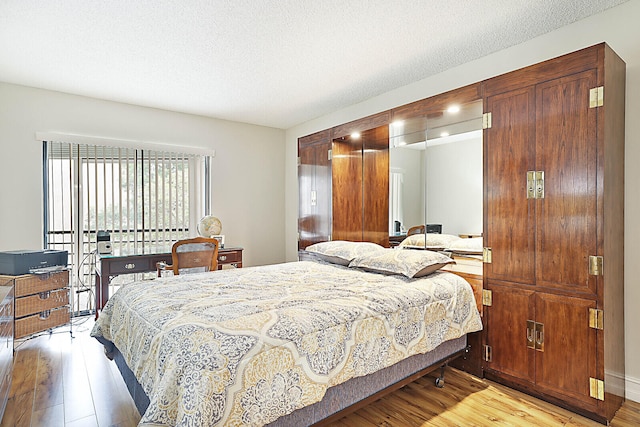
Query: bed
<point>286,344</point>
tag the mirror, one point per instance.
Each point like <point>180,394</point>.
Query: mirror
<point>435,172</point>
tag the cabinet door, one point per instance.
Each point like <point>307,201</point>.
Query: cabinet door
<point>506,332</point>
<point>376,185</point>
<point>348,218</point>
<point>568,359</point>
<point>566,217</point>
<point>314,184</point>
<point>509,214</point>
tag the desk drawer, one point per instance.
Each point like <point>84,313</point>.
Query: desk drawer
<point>132,265</point>
<point>229,257</point>
<point>41,321</point>
<point>42,301</point>
<point>36,283</point>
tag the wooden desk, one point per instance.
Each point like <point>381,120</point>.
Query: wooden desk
<point>144,261</point>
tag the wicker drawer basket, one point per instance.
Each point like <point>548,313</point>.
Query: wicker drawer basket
<point>41,321</point>
<point>41,302</point>
<point>36,283</point>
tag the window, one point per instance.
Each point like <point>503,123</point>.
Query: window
<point>140,197</point>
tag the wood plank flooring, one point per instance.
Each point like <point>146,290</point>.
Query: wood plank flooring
<point>68,382</point>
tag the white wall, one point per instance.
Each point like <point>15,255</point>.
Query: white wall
<point>619,28</point>
<point>247,195</point>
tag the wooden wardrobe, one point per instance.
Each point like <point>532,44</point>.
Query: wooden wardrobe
<point>553,227</point>
<point>553,213</point>
<point>343,177</point>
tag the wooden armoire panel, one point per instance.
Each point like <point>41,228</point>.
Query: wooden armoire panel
<point>376,185</point>
<point>567,361</point>
<point>506,331</point>
<point>314,185</point>
<point>508,213</point>
<point>567,216</point>
<point>347,213</point>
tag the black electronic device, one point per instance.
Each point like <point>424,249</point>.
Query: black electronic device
<point>15,263</point>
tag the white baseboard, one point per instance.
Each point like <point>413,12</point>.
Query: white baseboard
<point>632,388</point>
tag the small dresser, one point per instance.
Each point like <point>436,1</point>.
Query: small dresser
<point>41,302</point>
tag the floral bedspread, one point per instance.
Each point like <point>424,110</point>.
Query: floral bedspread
<point>246,346</point>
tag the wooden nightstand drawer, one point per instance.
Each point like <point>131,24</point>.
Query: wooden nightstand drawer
<point>36,283</point>
<point>41,321</point>
<point>230,256</point>
<point>42,301</point>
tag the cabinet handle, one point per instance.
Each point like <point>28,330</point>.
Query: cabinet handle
<point>530,334</point>
<point>130,266</point>
<point>539,336</point>
<point>44,295</point>
<point>222,257</point>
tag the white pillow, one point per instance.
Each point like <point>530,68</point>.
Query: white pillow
<point>467,246</point>
<point>433,240</point>
<point>341,251</point>
<point>410,263</point>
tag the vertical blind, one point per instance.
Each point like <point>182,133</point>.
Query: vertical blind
<point>142,198</point>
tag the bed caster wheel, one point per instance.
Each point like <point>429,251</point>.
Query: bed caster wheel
<point>439,382</point>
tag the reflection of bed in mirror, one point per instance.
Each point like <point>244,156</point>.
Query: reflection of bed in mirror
<point>210,345</point>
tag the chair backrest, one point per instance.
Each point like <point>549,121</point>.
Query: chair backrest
<point>417,229</point>
<point>429,228</point>
<point>195,255</point>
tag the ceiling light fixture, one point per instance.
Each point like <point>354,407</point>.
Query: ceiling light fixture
<point>453,109</point>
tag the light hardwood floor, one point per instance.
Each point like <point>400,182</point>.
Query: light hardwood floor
<point>68,382</point>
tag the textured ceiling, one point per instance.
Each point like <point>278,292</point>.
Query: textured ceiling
<point>269,62</point>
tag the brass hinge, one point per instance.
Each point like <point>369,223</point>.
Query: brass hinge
<point>596,97</point>
<point>486,255</point>
<point>596,318</point>
<point>595,265</point>
<point>487,297</point>
<point>487,353</point>
<point>329,154</point>
<point>535,184</point>
<point>596,388</point>
<point>486,121</point>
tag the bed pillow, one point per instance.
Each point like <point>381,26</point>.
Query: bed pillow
<point>341,252</point>
<point>430,241</point>
<point>410,263</point>
<point>466,246</point>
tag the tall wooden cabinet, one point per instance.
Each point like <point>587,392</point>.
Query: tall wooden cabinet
<point>343,182</point>
<point>553,227</point>
<point>553,277</point>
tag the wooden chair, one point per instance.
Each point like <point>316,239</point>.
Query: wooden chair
<point>417,229</point>
<point>195,255</point>
<point>429,228</point>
